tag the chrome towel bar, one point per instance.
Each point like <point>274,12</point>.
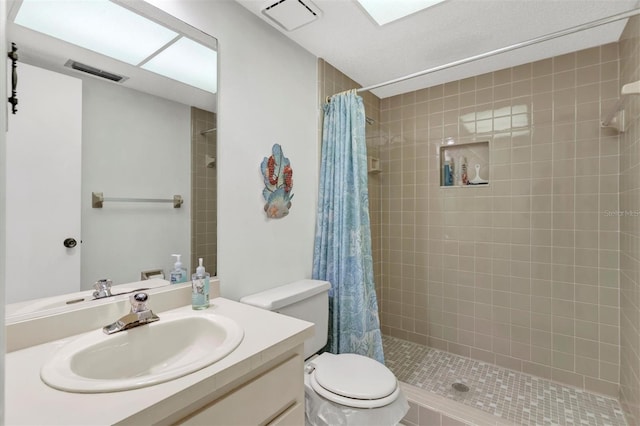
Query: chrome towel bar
<point>97,198</point>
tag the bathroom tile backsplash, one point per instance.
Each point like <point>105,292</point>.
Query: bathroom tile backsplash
<point>629,46</point>
<point>204,190</point>
<point>523,272</point>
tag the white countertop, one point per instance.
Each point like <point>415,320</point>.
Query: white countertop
<point>28,401</point>
<point>32,308</point>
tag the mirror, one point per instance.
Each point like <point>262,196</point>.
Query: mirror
<point>145,137</point>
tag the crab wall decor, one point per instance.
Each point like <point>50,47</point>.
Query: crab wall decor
<point>278,183</point>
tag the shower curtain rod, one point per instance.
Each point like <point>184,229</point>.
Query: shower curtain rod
<point>505,49</point>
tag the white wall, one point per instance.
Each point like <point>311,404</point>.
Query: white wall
<point>268,94</point>
<point>43,154</point>
<point>3,127</point>
<point>133,145</point>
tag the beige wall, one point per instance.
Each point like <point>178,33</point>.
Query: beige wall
<point>522,273</point>
<point>630,228</point>
<point>251,117</point>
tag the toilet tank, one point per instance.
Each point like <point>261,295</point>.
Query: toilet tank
<point>307,300</point>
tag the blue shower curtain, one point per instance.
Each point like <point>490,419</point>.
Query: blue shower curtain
<point>342,250</point>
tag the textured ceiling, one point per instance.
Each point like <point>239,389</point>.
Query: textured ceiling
<point>347,38</point>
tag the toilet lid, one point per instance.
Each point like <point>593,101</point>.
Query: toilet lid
<point>355,376</point>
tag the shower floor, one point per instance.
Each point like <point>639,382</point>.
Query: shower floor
<point>517,397</point>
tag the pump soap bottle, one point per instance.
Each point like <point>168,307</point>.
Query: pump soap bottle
<point>178,273</point>
<point>200,288</point>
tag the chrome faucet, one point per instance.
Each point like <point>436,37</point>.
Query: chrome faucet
<point>103,288</point>
<point>140,315</point>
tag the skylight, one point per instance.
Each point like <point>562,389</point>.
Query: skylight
<point>385,11</point>
<point>97,25</point>
<point>187,61</point>
<point>114,31</point>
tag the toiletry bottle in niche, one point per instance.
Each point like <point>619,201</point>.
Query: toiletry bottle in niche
<point>452,172</point>
<point>446,171</point>
<point>464,177</point>
<point>178,273</point>
<point>200,288</point>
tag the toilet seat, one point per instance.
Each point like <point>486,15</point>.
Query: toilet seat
<point>353,380</point>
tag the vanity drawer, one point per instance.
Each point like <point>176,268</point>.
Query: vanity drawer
<point>274,396</point>
<point>294,416</point>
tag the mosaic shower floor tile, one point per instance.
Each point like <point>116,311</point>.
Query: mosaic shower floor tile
<point>517,397</point>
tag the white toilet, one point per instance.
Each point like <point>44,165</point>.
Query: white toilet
<point>344,389</point>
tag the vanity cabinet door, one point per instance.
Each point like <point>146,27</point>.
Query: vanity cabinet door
<point>275,397</point>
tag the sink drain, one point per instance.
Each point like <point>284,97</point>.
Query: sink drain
<point>460,387</point>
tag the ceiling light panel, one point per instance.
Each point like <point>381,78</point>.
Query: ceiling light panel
<point>385,11</point>
<point>188,62</point>
<point>97,25</point>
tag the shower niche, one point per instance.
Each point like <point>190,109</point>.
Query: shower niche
<point>464,165</point>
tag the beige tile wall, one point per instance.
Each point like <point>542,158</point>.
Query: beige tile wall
<point>522,273</point>
<point>204,198</point>
<point>630,228</point>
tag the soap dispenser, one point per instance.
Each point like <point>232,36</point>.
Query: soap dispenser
<point>200,288</point>
<point>178,273</point>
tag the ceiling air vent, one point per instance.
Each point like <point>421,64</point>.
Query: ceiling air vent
<point>94,71</point>
<point>292,14</point>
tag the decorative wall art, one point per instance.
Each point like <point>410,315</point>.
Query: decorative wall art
<point>278,183</point>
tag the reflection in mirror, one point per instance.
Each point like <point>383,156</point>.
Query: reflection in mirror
<point>88,122</point>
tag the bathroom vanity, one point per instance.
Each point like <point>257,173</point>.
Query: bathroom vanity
<point>260,382</point>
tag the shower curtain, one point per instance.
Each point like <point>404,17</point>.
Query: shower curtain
<point>342,249</point>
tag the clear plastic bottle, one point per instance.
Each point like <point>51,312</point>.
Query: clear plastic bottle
<point>178,273</point>
<point>200,288</point>
<point>464,177</point>
<point>452,172</point>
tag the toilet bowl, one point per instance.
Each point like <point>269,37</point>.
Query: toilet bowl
<point>350,389</point>
<point>343,389</point>
<point>351,380</point>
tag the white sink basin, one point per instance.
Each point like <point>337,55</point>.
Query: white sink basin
<point>177,345</point>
